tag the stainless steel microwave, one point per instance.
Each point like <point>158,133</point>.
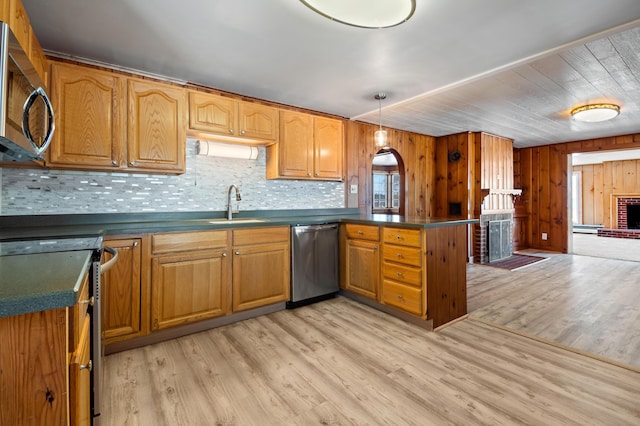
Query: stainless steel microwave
<point>26,115</point>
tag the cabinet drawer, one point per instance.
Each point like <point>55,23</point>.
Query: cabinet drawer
<point>78,315</point>
<point>401,296</point>
<point>183,241</point>
<point>362,232</point>
<point>251,236</point>
<point>402,254</point>
<point>405,274</point>
<point>405,237</point>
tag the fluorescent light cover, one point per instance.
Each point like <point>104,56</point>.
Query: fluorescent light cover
<point>225,150</point>
<point>364,13</point>
<point>595,112</point>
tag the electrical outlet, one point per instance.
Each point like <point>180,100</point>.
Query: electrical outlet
<point>354,189</point>
<point>544,236</point>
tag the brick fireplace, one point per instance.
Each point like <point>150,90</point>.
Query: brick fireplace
<point>627,217</point>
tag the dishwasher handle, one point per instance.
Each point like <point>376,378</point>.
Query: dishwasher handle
<point>299,229</point>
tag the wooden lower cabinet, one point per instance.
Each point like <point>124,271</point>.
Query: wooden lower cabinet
<point>189,287</point>
<point>362,259</point>
<point>261,267</point>
<point>80,380</point>
<point>123,312</point>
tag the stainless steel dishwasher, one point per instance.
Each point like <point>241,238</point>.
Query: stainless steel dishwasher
<point>314,263</point>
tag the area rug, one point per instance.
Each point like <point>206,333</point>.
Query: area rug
<point>516,261</point>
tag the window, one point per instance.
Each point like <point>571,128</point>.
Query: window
<point>386,191</point>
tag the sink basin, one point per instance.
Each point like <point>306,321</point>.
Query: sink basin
<point>236,221</point>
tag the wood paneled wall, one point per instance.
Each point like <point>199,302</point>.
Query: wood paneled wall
<point>599,182</point>
<point>494,154</point>
<point>418,154</point>
<point>544,176</point>
<point>452,178</point>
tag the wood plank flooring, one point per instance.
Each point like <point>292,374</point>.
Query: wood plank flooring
<point>586,303</point>
<point>338,362</point>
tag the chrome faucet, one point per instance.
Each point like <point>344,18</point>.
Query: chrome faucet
<point>230,210</point>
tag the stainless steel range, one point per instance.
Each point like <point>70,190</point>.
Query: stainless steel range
<point>75,243</point>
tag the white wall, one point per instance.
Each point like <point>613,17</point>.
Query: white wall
<point>202,188</point>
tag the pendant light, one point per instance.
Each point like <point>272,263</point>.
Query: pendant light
<point>380,137</point>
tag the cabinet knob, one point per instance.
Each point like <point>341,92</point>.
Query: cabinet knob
<point>237,252</point>
<point>399,254</point>
<point>400,297</point>
<point>398,237</point>
<point>375,247</point>
<point>360,232</point>
<point>135,244</point>
<point>308,174</point>
<point>400,274</point>
<point>114,162</point>
<point>242,132</point>
<point>89,366</point>
<point>317,174</point>
<point>132,163</point>
<point>224,254</point>
<point>231,131</point>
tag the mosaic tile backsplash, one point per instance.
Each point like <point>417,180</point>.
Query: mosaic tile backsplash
<point>202,188</point>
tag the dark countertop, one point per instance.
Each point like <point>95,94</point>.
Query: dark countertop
<point>25,288</point>
<point>38,282</point>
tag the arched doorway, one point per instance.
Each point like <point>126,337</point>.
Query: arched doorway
<point>387,183</point>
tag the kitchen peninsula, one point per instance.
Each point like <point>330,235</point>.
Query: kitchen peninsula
<point>410,267</point>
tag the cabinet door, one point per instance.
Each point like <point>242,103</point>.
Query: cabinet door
<point>188,288</point>
<point>519,233</point>
<point>20,25</point>
<point>363,267</point>
<point>258,121</point>
<point>89,117</point>
<point>261,275</point>
<point>296,144</point>
<point>213,114</point>
<point>328,148</point>
<point>122,292</point>
<point>156,131</point>
<point>80,380</point>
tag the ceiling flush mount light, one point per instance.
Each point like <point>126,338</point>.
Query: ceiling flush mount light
<point>380,137</point>
<point>595,112</point>
<point>364,13</point>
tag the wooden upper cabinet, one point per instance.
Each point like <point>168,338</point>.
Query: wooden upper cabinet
<point>328,148</point>
<point>37,58</point>
<point>295,150</point>
<point>231,118</point>
<point>20,25</point>
<point>89,118</point>
<point>156,136</point>
<point>310,147</point>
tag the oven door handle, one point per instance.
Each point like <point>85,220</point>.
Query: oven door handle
<point>108,264</point>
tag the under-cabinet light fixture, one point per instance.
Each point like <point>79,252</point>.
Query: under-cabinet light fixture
<point>593,113</point>
<point>364,13</point>
<point>380,137</point>
<point>226,150</point>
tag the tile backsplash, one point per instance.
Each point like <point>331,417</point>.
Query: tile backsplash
<point>202,188</point>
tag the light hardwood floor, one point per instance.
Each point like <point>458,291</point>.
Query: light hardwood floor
<point>586,303</point>
<point>338,362</point>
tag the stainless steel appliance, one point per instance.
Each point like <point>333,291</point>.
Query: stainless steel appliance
<point>74,243</point>
<point>314,263</point>
<point>26,115</point>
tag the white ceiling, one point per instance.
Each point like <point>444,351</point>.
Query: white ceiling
<point>508,67</point>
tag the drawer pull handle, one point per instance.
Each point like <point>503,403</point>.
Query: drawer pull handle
<point>399,254</point>
<point>360,232</point>
<point>400,297</point>
<point>399,274</point>
<point>237,253</point>
<point>89,366</point>
<point>398,237</point>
